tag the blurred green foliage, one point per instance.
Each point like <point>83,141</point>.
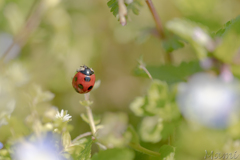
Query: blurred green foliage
<point>136,118</point>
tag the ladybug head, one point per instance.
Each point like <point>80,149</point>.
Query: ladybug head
<point>85,70</point>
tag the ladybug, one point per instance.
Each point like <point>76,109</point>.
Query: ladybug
<point>84,79</point>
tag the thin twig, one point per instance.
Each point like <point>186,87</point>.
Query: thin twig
<point>156,18</point>
<point>82,136</point>
<point>101,146</point>
<point>142,66</point>
<point>90,116</point>
<point>30,26</point>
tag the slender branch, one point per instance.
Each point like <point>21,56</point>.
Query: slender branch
<point>30,26</point>
<point>81,136</point>
<point>145,69</point>
<point>101,146</point>
<point>142,66</point>
<point>156,18</point>
<point>90,116</point>
<point>139,148</point>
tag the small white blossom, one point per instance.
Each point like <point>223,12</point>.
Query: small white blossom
<point>64,116</point>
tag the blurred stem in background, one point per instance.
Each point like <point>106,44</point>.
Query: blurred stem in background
<point>31,24</point>
<point>156,18</point>
<point>168,56</point>
<point>90,116</point>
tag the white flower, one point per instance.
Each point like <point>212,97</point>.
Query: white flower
<point>64,116</point>
<point>209,100</point>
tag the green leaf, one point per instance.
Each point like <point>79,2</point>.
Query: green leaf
<point>66,139</point>
<point>196,34</point>
<point>230,41</point>
<point>155,100</point>
<point>86,152</point>
<point>81,149</point>
<point>226,27</point>
<point>114,154</point>
<point>168,129</point>
<point>170,73</point>
<point>113,133</point>
<point>150,129</point>
<point>204,11</point>
<point>221,31</point>
<point>137,106</point>
<point>111,3</point>
<point>158,101</point>
<point>86,103</point>
<point>167,152</point>
<point>172,43</point>
<point>133,6</point>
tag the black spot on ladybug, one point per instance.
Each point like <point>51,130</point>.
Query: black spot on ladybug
<point>75,79</point>
<point>80,86</point>
<point>89,88</point>
<point>87,79</point>
<point>76,90</point>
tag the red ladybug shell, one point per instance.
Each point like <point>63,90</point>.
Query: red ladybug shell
<point>84,80</point>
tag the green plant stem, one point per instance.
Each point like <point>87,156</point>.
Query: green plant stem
<point>156,18</point>
<point>90,116</point>
<point>82,136</point>
<point>145,70</point>
<point>139,148</point>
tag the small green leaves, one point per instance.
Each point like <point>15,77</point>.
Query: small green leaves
<point>113,4</point>
<point>150,129</point>
<point>168,129</point>
<point>194,33</point>
<point>134,5</point>
<point>172,43</point>
<point>170,73</point>
<point>230,44</point>
<point>84,117</point>
<point>81,149</point>
<point>86,103</point>
<point>114,154</point>
<point>121,8</point>
<point>167,152</point>
<point>157,102</point>
<point>66,139</point>
<point>113,133</point>
<point>86,152</point>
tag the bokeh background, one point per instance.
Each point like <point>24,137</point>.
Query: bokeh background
<point>65,34</point>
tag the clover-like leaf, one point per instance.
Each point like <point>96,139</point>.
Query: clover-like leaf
<point>150,130</point>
